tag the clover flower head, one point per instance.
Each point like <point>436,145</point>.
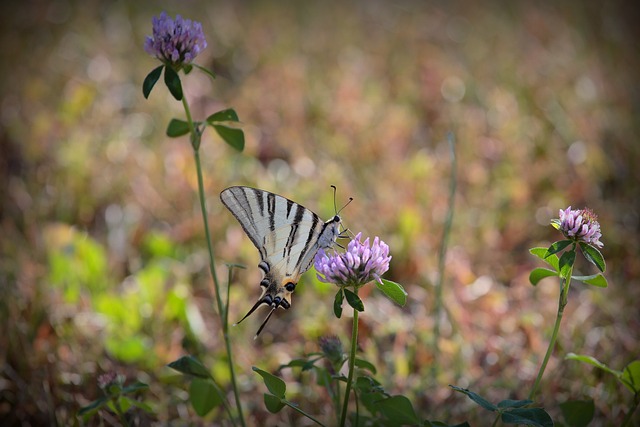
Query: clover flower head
<point>332,348</point>
<point>175,42</point>
<point>360,264</point>
<point>579,225</point>
<point>106,379</point>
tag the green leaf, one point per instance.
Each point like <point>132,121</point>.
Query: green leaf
<point>476,398</point>
<point>138,404</point>
<point>557,247</point>
<point>539,273</point>
<point>273,403</point>
<point>394,291</point>
<point>578,413</point>
<point>527,416</point>
<point>187,68</point>
<point>354,300</point>
<point>593,255</point>
<point>552,260</point>
<point>172,80</point>
<point>398,409</point>
<point>364,364</point>
<point>177,128</point>
<point>594,280</point>
<point>190,366</point>
<point>233,137</point>
<point>228,115</point>
<point>631,376</point>
<point>337,303</point>
<point>93,407</point>
<point>150,81</point>
<point>203,396</point>
<point>205,70</point>
<point>566,263</point>
<point>132,388</point>
<point>275,385</point>
<point>508,403</point>
<point>593,361</point>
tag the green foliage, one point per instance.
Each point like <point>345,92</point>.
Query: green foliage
<point>578,413</point>
<point>172,80</point>
<point>399,410</point>
<point>150,80</point>
<point>511,411</point>
<point>203,69</point>
<point>394,291</point>
<point>593,255</point>
<point>337,303</point>
<point>118,399</point>
<point>232,136</point>
<point>189,365</point>
<point>275,385</point>
<point>629,376</point>
<point>567,259</point>
<point>565,263</point>
<point>177,128</point>
<point>552,260</point>
<point>204,396</point>
<point>353,300</point>
<point>557,247</point>
<point>77,263</point>
<point>538,274</point>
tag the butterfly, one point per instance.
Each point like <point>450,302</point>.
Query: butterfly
<point>287,236</point>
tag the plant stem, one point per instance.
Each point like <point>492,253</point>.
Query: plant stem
<point>439,304</point>
<point>295,407</point>
<point>195,142</point>
<point>116,404</point>
<point>632,410</point>
<point>564,291</point>
<point>352,362</point>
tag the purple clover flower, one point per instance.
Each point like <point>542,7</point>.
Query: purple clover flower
<point>175,42</point>
<point>579,225</point>
<point>359,265</point>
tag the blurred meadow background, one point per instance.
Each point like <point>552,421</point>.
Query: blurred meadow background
<point>103,262</point>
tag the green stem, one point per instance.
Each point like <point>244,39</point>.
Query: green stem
<point>296,408</point>
<point>439,304</point>
<point>495,422</point>
<point>195,142</point>
<point>116,405</point>
<point>632,410</point>
<point>554,336</point>
<point>352,362</point>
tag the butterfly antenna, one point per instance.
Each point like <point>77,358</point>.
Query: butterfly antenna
<point>265,321</point>
<point>335,207</point>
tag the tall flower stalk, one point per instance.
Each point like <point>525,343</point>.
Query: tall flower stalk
<point>581,229</point>
<point>176,43</point>
<point>361,263</point>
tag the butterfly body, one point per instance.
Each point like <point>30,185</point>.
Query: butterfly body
<point>287,236</point>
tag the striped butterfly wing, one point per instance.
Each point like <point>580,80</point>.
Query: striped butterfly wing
<point>287,236</point>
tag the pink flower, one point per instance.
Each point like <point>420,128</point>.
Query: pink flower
<point>579,225</point>
<point>175,42</point>
<point>359,265</point>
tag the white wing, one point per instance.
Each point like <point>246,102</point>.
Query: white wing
<point>286,234</point>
